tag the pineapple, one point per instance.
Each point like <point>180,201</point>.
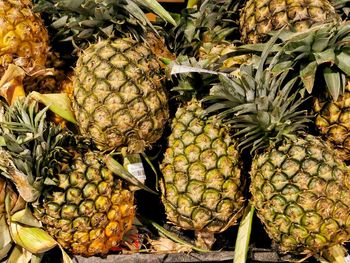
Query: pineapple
<point>300,189</point>
<point>299,185</point>
<point>24,38</point>
<point>64,181</point>
<point>85,208</point>
<point>89,21</point>
<point>258,18</point>
<point>118,96</point>
<point>321,61</point>
<point>202,189</point>
<point>333,121</point>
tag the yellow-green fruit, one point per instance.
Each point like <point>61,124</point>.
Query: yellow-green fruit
<point>119,99</point>
<point>333,121</point>
<point>202,184</point>
<point>260,17</point>
<point>301,191</point>
<point>87,210</point>
<point>23,36</point>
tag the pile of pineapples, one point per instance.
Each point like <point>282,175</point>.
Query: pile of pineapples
<point>229,108</point>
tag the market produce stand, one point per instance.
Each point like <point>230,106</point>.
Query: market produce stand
<point>174,131</point>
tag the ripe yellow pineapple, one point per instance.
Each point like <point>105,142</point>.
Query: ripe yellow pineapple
<point>87,209</point>
<point>333,121</point>
<point>24,38</point>
<point>80,202</point>
<point>260,17</point>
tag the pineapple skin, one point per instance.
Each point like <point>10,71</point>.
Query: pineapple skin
<point>202,184</point>
<point>333,121</point>
<point>259,17</point>
<point>23,36</point>
<point>300,190</point>
<point>119,99</point>
<point>88,211</point>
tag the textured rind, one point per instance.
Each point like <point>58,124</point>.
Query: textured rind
<point>23,36</point>
<point>300,190</point>
<point>118,96</point>
<point>88,211</point>
<point>333,121</point>
<point>260,17</point>
<point>202,184</point>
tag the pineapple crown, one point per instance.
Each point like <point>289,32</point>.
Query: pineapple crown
<point>261,105</point>
<point>322,49</point>
<point>207,23</point>
<point>85,21</point>
<point>26,139</point>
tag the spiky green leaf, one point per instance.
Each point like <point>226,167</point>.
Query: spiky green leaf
<point>308,75</point>
<point>334,83</point>
<point>243,236</point>
<point>59,103</point>
<point>342,61</point>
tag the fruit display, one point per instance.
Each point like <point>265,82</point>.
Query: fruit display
<point>132,128</point>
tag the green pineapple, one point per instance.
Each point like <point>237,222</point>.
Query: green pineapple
<point>202,189</point>
<point>202,185</point>
<point>299,185</point>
